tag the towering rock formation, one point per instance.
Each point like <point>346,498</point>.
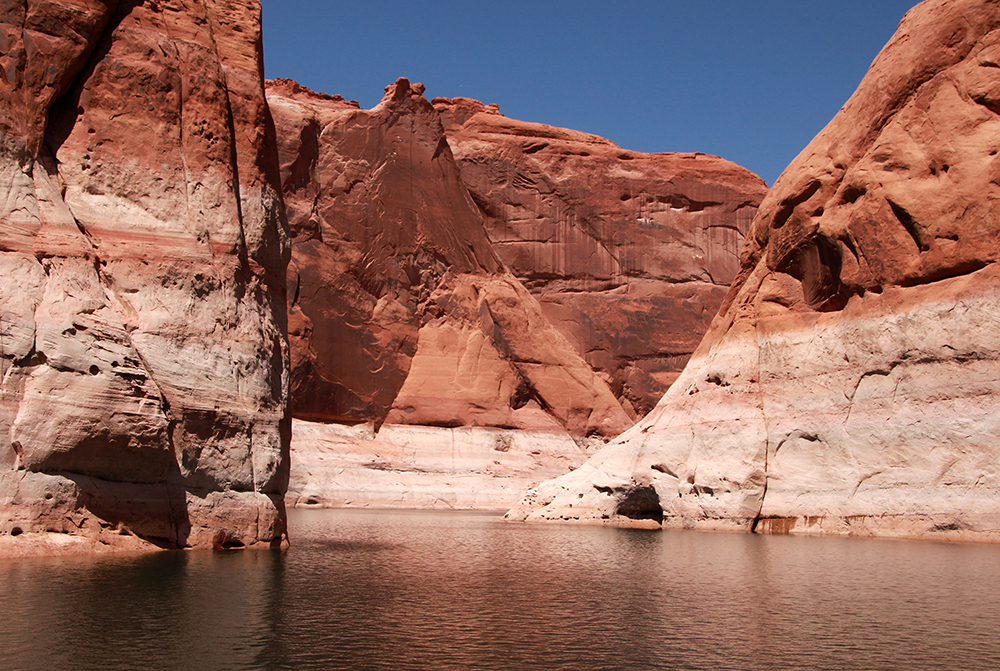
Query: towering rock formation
<point>850,382</point>
<point>142,322</point>
<point>400,310</point>
<point>402,316</point>
<point>629,254</point>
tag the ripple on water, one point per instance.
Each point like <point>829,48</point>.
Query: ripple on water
<point>405,590</point>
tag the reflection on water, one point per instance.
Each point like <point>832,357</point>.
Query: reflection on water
<point>403,590</point>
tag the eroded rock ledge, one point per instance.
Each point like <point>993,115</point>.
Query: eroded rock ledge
<point>849,383</point>
<point>143,241</point>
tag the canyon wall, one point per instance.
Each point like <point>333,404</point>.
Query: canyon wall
<point>849,384</point>
<point>425,373</point>
<point>629,254</point>
<point>400,312</point>
<point>143,238</point>
<point>404,322</point>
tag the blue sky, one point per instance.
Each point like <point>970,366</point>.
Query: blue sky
<point>750,81</point>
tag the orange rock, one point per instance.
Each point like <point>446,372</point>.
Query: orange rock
<point>629,254</point>
<point>142,334</point>
<point>399,309</point>
<point>849,383</point>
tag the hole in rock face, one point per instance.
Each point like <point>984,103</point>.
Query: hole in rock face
<point>642,503</point>
<point>852,193</point>
<point>94,370</point>
<point>16,531</point>
<point>817,263</point>
<point>223,540</point>
<point>910,224</point>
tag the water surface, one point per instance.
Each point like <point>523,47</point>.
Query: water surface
<point>406,590</point>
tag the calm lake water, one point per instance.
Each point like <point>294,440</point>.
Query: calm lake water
<point>405,590</point>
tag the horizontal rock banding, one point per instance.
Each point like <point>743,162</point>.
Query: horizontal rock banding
<point>143,332</point>
<point>846,386</point>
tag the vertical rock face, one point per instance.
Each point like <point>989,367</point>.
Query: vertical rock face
<point>143,239</point>
<point>849,383</point>
<point>629,254</point>
<point>402,318</point>
<point>399,309</point>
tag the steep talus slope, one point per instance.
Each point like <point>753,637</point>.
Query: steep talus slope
<point>850,382</point>
<point>142,323</point>
<point>629,254</point>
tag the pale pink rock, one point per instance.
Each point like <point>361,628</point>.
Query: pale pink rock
<point>849,383</point>
<point>142,326</point>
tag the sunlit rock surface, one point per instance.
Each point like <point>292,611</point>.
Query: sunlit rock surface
<point>849,384</point>
<point>143,245</point>
<point>428,467</point>
<point>629,254</point>
<point>400,312</point>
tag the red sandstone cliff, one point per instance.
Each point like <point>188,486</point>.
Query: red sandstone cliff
<point>849,383</point>
<point>142,238</point>
<point>399,309</point>
<point>403,313</point>
<point>629,254</point>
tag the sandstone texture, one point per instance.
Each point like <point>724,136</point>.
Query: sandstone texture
<point>143,244</point>
<point>399,310</point>
<point>849,384</point>
<point>629,254</point>
<point>405,324</point>
<point>425,467</point>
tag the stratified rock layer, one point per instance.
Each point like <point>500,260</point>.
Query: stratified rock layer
<point>425,467</point>
<point>849,384</point>
<point>629,254</point>
<point>142,321</point>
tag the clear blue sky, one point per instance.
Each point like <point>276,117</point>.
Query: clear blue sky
<point>750,81</point>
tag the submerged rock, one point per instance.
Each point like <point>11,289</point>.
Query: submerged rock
<point>849,383</point>
<point>142,235</point>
